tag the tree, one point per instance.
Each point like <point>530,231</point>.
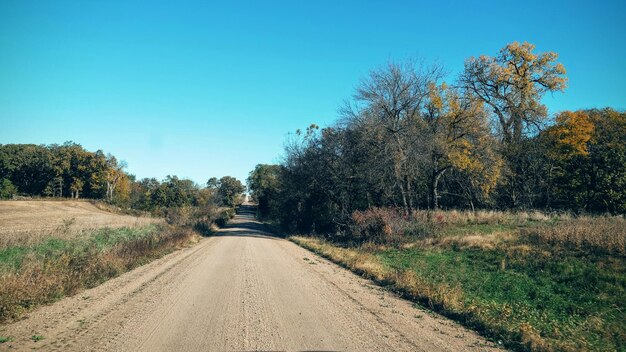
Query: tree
<point>213,183</point>
<point>512,84</point>
<point>123,190</point>
<point>571,134</point>
<point>606,167</point>
<point>229,190</point>
<point>7,189</point>
<point>457,133</point>
<point>586,156</point>
<point>174,192</point>
<point>564,143</point>
<point>114,172</point>
<point>387,104</point>
<point>76,187</point>
<point>29,167</point>
<point>264,183</point>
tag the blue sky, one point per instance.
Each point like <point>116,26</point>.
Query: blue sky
<point>200,89</point>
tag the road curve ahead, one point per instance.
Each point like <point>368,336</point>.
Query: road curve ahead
<point>242,290</point>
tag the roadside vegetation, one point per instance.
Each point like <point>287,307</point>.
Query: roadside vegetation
<point>533,281</point>
<point>36,270</point>
<point>55,243</point>
<point>55,268</point>
<point>464,194</point>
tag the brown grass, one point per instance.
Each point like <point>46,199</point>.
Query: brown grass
<point>460,217</point>
<point>601,234</point>
<point>24,223</point>
<point>40,281</point>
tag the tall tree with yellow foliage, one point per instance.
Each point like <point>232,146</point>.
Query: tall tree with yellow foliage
<point>456,127</point>
<point>512,85</point>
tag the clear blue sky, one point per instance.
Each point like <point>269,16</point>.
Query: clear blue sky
<point>201,89</point>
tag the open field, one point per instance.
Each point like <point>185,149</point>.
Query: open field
<point>540,283</point>
<point>28,222</point>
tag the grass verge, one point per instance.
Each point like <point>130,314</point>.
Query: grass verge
<point>517,288</point>
<point>46,271</point>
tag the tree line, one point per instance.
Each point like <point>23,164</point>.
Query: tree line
<point>70,171</point>
<point>408,139</point>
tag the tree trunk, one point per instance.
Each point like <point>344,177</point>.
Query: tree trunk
<point>549,191</point>
<point>405,204</point>
<point>434,185</point>
<point>410,194</point>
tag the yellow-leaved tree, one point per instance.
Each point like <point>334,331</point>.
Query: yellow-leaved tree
<point>457,126</point>
<point>571,134</point>
<point>512,84</point>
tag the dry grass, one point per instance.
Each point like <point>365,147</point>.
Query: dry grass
<point>51,270</point>
<point>488,229</point>
<point>601,234</point>
<point>461,217</point>
<point>50,249</point>
<point>24,223</point>
<point>390,226</point>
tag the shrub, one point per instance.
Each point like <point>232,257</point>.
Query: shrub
<point>371,225</point>
<point>224,216</point>
<point>203,227</point>
<point>386,226</point>
<point>200,218</point>
<point>7,189</point>
<point>178,216</point>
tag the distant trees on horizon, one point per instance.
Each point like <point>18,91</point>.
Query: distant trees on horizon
<point>70,171</point>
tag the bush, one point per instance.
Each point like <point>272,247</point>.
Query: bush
<point>7,189</point>
<point>386,226</point>
<point>203,227</point>
<point>179,216</point>
<point>200,218</point>
<point>224,216</point>
<point>372,225</point>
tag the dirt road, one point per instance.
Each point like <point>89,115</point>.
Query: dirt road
<point>240,291</point>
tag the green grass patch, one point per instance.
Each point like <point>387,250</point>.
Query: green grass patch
<point>529,295</point>
<point>11,258</point>
<point>575,302</point>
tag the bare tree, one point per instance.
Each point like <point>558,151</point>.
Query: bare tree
<point>389,102</point>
